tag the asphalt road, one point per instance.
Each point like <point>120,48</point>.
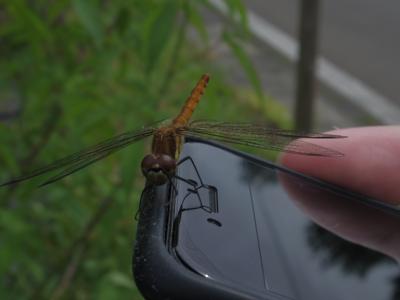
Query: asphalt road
<point>362,37</point>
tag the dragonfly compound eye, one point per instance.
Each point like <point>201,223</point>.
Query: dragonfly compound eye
<point>167,164</point>
<point>157,168</point>
<point>148,162</point>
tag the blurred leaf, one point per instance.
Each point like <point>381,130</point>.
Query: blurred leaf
<point>238,12</point>
<point>34,27</point>
<point>90,17</point>
<point>122,19</point>
<point>121,280</point>
<point>159,31</point>
<point>246,63</point>
<point>9,158</point>
<point>14,224</point>
<point>196,20</point>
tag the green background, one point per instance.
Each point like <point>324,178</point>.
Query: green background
<point>73,73</point>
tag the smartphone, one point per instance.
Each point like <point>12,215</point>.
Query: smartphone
<point>238,227</point>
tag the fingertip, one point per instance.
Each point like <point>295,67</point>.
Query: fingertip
<point>370,161</point>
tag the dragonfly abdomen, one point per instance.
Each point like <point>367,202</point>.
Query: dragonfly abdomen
<point>191,102</point>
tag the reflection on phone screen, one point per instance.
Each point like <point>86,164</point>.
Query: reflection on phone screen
<point>281,234</point>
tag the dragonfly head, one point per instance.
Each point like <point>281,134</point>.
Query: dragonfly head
<point>158,168</point>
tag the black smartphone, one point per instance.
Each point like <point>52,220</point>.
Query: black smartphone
<point>238,227</point>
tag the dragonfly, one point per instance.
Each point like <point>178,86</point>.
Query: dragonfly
<point>159,166</point>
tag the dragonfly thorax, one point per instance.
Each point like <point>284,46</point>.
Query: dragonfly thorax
<point>158,168</point>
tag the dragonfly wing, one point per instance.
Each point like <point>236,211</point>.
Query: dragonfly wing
<point>84,158</point>
<point>75,167</point>
<point>260,136</point>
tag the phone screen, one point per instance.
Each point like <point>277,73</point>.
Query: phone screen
<point>268,230</point>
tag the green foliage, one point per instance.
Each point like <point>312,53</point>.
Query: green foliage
<point>244,60</point>
<point>79,72</point>
<point>89,16</point>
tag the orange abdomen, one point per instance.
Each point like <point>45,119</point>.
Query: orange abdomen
<point>191,102</point>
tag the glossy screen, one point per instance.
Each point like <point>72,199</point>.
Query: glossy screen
<point>264,238</point>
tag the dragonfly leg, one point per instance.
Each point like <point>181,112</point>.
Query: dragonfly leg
<point>140,208</point>
<point>196,187</point>
<point>212,197</point>
<point>188,158</point>
<point>193,190</point>
<point>190,182</point>
<point>211,207</point>
<point>172,184</point>
<point>200,206</point>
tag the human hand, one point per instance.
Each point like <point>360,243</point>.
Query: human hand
<point>370,166</point>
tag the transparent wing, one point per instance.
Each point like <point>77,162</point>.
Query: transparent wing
<point>260,136</point>
<point>84,158</point>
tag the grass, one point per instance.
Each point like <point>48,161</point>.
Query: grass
<point>73,73</point>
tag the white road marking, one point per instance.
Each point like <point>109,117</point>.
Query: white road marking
<point>346,85</point>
